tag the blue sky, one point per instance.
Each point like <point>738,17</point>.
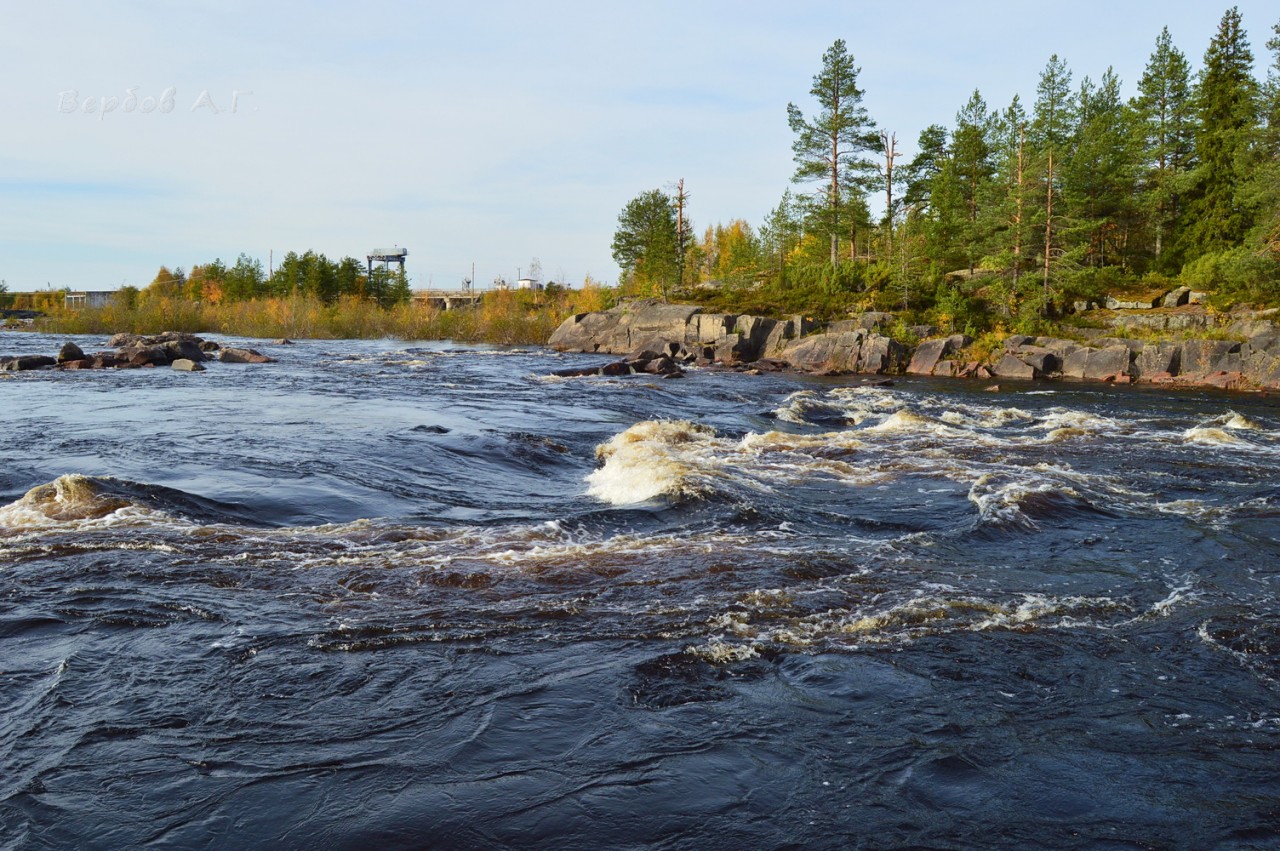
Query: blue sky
<point>485,132</point>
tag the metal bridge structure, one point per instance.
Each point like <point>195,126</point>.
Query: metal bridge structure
<point>448,299</point>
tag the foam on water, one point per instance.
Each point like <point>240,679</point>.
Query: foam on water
<point>1239,422</point>
<point>671,458</point>
<point>929,613</point>
<point>76,502</point>
<point>1210,435</point>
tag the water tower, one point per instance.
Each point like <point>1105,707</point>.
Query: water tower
<point>387,256</point>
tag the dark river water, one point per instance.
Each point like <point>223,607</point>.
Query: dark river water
<point>412,595</point>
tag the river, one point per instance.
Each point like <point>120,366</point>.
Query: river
<point>416,595</point>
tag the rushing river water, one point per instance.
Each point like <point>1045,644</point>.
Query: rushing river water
<point>390,595</point>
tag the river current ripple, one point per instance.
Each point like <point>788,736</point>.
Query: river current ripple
<point>404,595</point>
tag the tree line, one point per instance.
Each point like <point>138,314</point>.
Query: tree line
<point>309,274</point>
<point>1009,212</point>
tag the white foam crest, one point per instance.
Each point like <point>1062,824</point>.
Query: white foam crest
<point>1001,503</point>
<point>869,397</point>
<point>923,615</point>
<point>785,459</point>
<point>1036,608</point>
<point>796,407</point>
<point>983,416</point>
<point>577,552</point>
<point>718,652</point>
<point>1058,418</point>
<point>906,422</point>
<point>1238,422</point>
<point>1211,436</point>
<point>656,458</point>
<point>930,614</point>
<point>78,503</point>
<point>854,405</point>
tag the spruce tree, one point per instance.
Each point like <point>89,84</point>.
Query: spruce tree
<point>1165,124</point>
<point>924,167</point>
<point>1098,177</point>
<point>971,151</point>
<point>1227,105</point>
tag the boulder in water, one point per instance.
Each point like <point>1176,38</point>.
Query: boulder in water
<point>233,355</point>
<point>26,362</point>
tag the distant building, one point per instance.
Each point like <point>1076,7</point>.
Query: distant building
<point>89,298</point>
<point>528,284</point>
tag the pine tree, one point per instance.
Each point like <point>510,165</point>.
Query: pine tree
<point>832,148</point>
<point>1011,204</point>
<point>1227,107</point>
<point>1052,129</point>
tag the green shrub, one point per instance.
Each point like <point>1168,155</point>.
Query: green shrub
<point>1234,275</point>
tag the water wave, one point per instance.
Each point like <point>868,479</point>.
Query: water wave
<point>740,634</point>
<point>655,458</point>
<point>84,502</point>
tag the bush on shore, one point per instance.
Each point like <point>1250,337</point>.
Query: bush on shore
<point>503,317</point>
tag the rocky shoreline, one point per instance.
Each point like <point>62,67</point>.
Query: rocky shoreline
<point>174,349</point>
<point>660,338</point>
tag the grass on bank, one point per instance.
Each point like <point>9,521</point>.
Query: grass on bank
<point>507,318</point>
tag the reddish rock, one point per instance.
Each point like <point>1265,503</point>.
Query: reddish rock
<point>926,357</point>
<point>1011,367</point>
<point>1224,380</point>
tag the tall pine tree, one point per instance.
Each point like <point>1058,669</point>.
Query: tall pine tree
<point>833,146</point>
<point>1052,129</point>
